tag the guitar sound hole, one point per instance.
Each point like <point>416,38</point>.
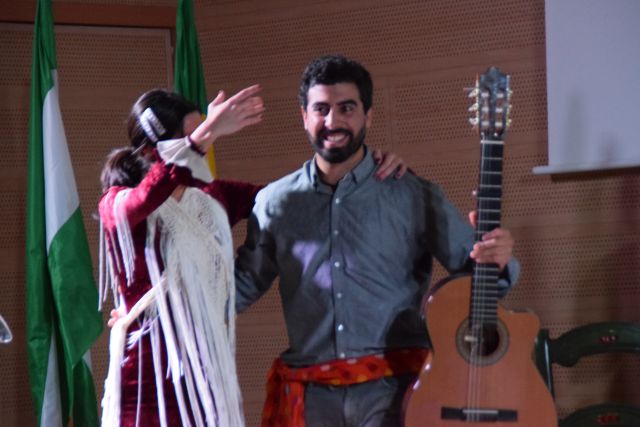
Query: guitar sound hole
<point>482,344</point>
<point>489,341</point>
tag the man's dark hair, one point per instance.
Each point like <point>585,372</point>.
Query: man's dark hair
<point>332,69</point>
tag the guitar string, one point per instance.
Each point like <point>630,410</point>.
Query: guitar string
<point>479,298</point>
<point>473,343</point>
<point>477,301</point>
<point>473,334</point>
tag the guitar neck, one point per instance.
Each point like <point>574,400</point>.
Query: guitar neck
<point>485,292</point>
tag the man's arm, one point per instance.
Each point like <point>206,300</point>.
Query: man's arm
<point>256,266</point>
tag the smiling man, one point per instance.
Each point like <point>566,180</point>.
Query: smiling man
<point>354,256</point>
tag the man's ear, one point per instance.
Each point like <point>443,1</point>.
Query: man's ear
<point>369,116</point>
<point>303,111</point>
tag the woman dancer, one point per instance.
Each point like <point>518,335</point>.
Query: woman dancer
<point>170,263</point>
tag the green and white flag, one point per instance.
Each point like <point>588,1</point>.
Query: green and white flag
<point>62,300</point>
<point>188,72</point>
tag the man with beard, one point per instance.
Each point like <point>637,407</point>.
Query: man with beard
<point>354,256</point>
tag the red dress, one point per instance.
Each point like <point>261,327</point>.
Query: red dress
<point>139,391</point>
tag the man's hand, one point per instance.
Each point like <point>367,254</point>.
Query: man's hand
<point>496,246</point>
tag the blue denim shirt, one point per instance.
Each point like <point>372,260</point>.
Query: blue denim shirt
<point>353,263</point>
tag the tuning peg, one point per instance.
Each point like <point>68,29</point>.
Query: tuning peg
<point>473,108</point>
<point>473,121</point>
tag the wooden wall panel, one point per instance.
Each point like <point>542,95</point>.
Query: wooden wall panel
<point>119,13</point>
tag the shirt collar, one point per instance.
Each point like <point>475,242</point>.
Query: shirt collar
<point>365,168</point>
<point>358,174</point>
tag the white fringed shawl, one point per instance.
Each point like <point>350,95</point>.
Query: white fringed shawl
<point>193,299</point>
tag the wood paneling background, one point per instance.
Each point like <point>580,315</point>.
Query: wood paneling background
<point>577,235</point>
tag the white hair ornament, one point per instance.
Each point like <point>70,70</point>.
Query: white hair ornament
<point>151,125</point>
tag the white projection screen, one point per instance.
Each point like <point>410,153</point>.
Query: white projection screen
<point>593,85</point>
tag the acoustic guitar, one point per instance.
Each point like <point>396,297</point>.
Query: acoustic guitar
<point>482,371</point>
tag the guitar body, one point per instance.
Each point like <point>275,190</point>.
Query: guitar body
<point>505,379</point>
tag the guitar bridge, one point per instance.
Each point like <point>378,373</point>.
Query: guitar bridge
<point>479,415</point>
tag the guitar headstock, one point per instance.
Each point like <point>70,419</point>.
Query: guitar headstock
<point>492,104</point>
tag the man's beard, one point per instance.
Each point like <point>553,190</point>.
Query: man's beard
<point>337,154</point>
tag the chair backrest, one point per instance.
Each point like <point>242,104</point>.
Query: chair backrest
<point>583,341</point>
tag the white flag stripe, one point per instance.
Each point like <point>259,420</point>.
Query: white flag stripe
<point>87,360</point>
<point>61,194</point>
<point>51,406</point>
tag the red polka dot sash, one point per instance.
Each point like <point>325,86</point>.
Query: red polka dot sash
<point>284,406</point>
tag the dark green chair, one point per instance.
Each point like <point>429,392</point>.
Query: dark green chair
<point>584,341</point>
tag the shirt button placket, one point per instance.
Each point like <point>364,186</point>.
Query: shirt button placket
<point>338,277</point>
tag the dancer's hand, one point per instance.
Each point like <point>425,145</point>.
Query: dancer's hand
<point>227,116</point>
<point>115,314</point>
<point>388,163</point>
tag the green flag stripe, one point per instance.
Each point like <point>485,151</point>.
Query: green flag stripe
<point>188,73</point>
<point>82,377</point>
<point>74,289</point>
<point>39,298</point>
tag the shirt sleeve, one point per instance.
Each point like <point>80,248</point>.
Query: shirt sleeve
<point>256,264</point>
<point>509,276</point>
<point>448,236</point>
